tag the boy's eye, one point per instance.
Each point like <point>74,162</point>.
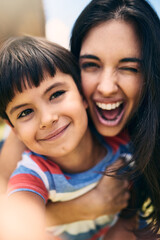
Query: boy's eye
<point>135,70</point>
<point>57,94</point>
<point>89,66</point>
<point>25,113</point>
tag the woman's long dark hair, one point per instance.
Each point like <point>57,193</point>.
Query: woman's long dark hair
<point>144,127</point>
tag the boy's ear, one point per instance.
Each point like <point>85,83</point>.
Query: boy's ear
<point>11,126</point>
<point>9,123</point>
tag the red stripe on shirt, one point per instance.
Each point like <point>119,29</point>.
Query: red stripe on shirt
<point>121,139</point>
<point>27,181</point>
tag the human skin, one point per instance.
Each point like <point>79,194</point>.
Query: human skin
<point>19,222</point>
<point>112,193</point>
<point>112,83</point>
<point>12,151</point>
<point>129,72</point>
<point>24,118</point>
<point>111,79</point>
<point>45,119</point>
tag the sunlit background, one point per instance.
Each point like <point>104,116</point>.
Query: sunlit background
<point>60,16</point>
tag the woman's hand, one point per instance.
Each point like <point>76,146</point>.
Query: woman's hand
<point>9,156</point>
<point>110,196</point>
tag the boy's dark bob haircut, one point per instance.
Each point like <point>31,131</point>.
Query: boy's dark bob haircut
<point>25,60</point>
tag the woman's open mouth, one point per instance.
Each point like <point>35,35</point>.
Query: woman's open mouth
<point>110,113</point>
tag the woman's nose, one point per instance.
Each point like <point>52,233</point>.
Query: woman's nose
<point>108,83</point>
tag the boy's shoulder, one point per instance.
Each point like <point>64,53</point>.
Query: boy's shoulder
<point>42,162</point>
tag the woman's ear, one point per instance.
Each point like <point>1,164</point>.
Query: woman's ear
<point>85,103</point>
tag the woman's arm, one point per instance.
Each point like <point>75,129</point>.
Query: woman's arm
<point>9,156</point>
<point>108,197</point>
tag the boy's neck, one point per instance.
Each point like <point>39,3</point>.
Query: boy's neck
<point>87,154</point>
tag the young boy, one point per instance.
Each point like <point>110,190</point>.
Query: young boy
<point>41,100</point>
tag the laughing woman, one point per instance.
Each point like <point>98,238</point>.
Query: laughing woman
<point>117,44</point>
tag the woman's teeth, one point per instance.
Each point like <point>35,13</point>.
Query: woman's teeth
<point>110,114</point>
<point>108,106</point>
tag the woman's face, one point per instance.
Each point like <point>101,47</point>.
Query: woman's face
<point>110,61</point>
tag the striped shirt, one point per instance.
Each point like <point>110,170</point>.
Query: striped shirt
<point>42,176</point>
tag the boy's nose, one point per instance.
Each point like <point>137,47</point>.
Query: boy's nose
<point>48,119</point>
<point>108,84</point>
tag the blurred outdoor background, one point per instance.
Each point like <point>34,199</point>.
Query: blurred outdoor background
<point>52,19</point>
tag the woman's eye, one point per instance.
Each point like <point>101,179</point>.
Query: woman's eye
<point>135,70</point>
<point>57,94</point>
<point>25,113</point>
<point>89,65</point>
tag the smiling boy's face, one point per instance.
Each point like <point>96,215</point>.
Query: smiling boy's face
<point>50,119</point>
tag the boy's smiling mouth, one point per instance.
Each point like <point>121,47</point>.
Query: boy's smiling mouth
<point>55,134</point>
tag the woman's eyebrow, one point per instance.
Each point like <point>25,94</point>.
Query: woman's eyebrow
<point>89,56</point>
<point>130,60</point>
<point>133,59</point>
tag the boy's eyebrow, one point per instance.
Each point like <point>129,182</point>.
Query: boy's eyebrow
<point>17,107</point>
<point>57,84</point>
